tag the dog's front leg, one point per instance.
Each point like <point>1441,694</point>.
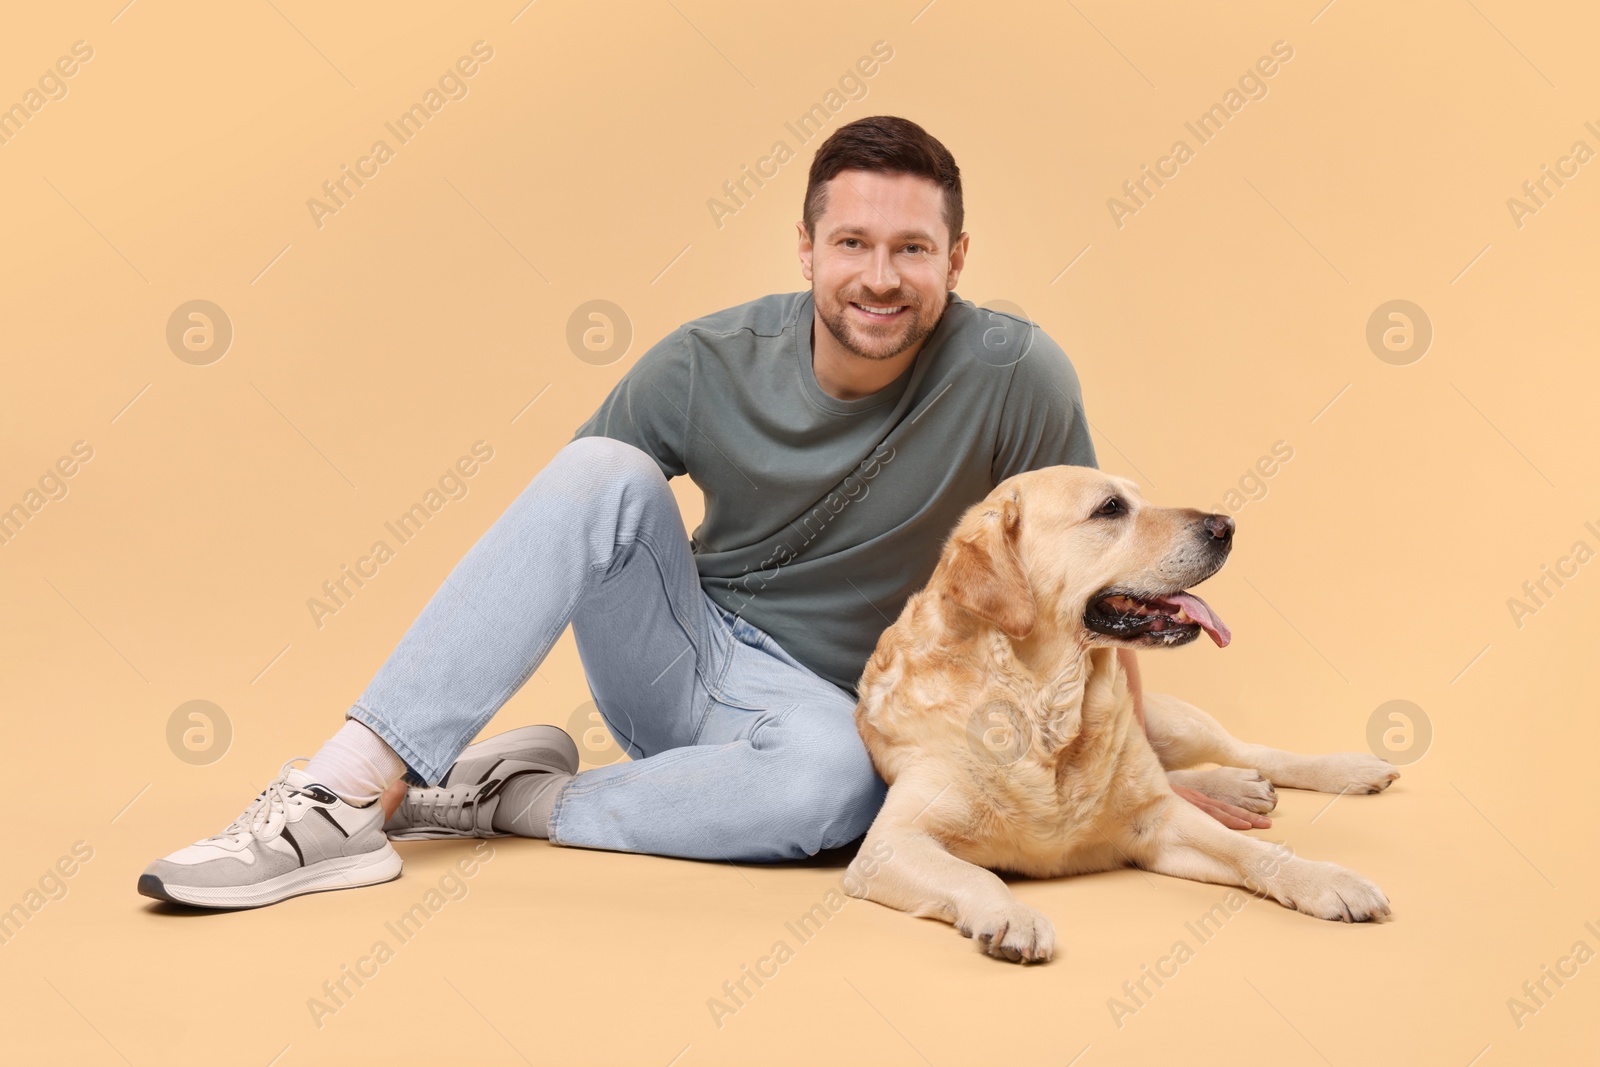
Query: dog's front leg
<point>1186,843</point>
<point>904,866</point>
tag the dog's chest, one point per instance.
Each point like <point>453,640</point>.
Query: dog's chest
<point>1046,714</point>
<point>1049,769</point>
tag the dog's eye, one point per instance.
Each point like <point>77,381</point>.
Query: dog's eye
<point>1112,506</point>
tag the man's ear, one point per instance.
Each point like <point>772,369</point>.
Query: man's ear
<point>983,574</point>
<point>807,249</point>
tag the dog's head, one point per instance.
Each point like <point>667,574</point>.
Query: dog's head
<point>1080,548</point>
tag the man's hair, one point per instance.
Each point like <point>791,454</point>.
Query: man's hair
<point>891,145</point>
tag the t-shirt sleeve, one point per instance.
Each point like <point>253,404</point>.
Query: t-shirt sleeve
<point>649,407</point>
<point>1042,423</point>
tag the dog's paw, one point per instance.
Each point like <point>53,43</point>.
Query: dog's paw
<point>1329,891</point>
<point>1239,786</point>
<point>1344,772</point>
<point>1013,932</point>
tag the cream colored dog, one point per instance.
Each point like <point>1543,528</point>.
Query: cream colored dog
<point>996,710</point>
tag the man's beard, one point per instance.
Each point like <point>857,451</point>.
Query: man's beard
<point>857,340</point>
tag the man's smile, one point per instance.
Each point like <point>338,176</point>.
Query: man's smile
<point>880,312</point>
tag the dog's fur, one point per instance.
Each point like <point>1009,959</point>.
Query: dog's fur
<point>1005,728</point>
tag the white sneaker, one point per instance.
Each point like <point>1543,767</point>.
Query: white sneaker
<point>295,837</point>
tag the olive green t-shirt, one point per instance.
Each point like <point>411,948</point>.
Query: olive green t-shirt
<point>823,516</point>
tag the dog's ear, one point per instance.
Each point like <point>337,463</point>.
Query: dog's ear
<point>984,575</point>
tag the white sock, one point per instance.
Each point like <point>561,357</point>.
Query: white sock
<point>356,764</point>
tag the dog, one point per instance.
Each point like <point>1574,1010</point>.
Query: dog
<point>996,710</point>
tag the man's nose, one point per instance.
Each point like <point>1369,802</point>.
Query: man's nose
<point>881,277</point>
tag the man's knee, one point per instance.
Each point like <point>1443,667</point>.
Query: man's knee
<point>839,792</point>
<point>604,459</point>
<point>861,795</point>
<point>599,476</point>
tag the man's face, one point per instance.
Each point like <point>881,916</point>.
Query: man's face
<point>881,243</point>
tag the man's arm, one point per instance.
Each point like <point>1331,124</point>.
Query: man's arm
<point>1229,815</point>
<point>1130,667</point>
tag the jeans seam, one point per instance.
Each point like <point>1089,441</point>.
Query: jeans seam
<point>673,606</point>
<point>571,606</point>
<point>705,714</point>
<point>718,692</point>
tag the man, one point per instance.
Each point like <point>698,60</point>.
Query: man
<point>837,435</point>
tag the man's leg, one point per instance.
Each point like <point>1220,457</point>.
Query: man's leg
<point>599,509</point>
<point>776,770</point>
<point>598,520</point>
<point>737,751</point>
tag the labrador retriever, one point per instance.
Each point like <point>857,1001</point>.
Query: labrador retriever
<point>997,711</point>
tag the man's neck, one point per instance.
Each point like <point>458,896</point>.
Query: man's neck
<point>844,375</point>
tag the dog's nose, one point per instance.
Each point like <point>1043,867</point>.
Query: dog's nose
<point>1219,527</point>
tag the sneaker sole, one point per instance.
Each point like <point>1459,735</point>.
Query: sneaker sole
<point>432,833</point>
<point>350,872</point>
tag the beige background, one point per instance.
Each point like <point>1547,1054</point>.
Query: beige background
<point>431,311</point>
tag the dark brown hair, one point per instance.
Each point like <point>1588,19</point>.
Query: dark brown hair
<point>889,144</point>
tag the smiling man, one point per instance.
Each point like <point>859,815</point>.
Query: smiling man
<point>837,435</point>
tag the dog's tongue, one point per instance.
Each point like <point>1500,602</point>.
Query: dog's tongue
<point>1199,611</point>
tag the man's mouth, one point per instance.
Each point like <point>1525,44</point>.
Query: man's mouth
<point>880,312</point>
<point>1169,619</point>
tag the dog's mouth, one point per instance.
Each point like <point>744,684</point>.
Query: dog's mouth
<point>1169,619</point>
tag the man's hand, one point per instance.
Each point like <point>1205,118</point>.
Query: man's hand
<point>1229,815</point>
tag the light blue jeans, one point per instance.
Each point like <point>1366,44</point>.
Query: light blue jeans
<point>738,751</point>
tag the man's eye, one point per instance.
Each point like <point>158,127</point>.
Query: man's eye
<point>916,247</point>
<point>1113,506</point>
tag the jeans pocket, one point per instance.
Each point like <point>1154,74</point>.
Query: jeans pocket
<point>753,680</point>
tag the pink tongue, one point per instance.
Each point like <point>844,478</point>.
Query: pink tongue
<point>1201,612</point>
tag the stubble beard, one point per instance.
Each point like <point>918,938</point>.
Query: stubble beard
<point>879,346</point>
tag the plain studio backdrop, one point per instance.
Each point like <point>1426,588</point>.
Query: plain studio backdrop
<point>1356,311</point>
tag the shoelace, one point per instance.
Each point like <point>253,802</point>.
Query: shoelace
<point>268,812</point>
<point>447,807</point>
